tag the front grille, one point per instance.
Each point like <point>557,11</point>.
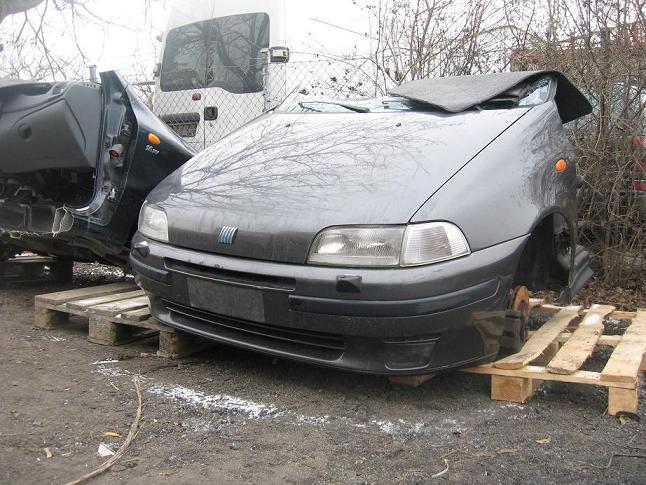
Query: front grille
<point>269,282</point>
<point>184,124</point>
<point>185,130</point>
<point>261,336</point>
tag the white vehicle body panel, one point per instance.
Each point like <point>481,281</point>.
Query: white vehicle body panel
<point>309,29</point>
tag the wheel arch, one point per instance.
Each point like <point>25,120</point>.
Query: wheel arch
<point>547,258</point>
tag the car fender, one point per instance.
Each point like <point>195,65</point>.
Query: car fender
<point>511,185</point>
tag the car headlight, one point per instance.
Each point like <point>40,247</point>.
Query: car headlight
<point>412,245</point>
<point>153,223</point>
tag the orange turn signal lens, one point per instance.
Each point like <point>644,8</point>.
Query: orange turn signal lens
<point>560,165</point>
<point>154,139</point>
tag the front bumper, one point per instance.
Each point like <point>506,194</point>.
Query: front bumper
<point>385,321</point>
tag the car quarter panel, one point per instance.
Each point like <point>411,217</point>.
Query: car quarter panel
<point>511,185</point>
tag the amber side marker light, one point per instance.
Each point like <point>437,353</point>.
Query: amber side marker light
<point>154,139</point>
<point>560,165</point>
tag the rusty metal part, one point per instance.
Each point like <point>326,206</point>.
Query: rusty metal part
<point>517,320</point>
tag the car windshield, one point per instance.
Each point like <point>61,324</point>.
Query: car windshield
<point>304,104</point>
<point>222,52</point>
<point>525,95</point>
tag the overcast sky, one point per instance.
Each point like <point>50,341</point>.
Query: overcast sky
<point>121,34</point>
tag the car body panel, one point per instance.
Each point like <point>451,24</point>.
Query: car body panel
<point>285,177</point>
<point>520,165</point>
<point>101,226</point>
<point>394,305</point>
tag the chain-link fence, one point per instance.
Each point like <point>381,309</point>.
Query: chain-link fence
<point>202,111</point>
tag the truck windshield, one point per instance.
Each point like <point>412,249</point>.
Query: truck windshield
<point>223,52</point>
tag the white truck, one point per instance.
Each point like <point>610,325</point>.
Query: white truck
<point>225,62</point>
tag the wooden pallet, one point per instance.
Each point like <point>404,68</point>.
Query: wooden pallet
<point>559,348</point>
<point>118,313</point>
<point>30,268</point>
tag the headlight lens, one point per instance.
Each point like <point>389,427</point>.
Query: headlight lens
<point>153,223</point>
<point>411,245</point>
<point>358,246</point>
<point>432,242</point>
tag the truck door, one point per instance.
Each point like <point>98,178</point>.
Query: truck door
<point>180,94</point>
<point>234,76</point>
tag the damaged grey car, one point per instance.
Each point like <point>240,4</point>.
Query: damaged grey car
<point>398,235</point>
<point>77,160</point>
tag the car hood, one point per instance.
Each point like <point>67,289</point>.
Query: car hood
<point>283,178</point>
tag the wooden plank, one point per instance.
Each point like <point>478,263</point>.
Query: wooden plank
<point>410,381</point>
<point>582,342</point>
<point>626,360</point>
<point>98,300</point>
<point>177,345</point>
<point>540,372</point>
<point>623,315</point>
<point>609,340</point>
<point>46,318</point>
<point>79,293</point>
<point>541,339</point>
<point>117,307</point>
<point>617,314</point>
<point>513,389</point>
<point>29,258</point>
<point>536,302</point>
<point>149,323</point>
<point>551,307</point>
<point>136,315</point>
<point>548,354</point>
<point>103,331</point>
<point>622,400</point>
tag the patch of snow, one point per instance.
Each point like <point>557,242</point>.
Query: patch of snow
<point>384,426</point>
<point>313,420</point>
<point>221,402</point>
<point>106,361</point>
<point>51,338</point>
<point>255,411</point>
<point>116,372</point>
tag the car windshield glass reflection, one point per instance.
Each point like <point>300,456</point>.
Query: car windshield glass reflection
<point>537,92</point>
<point>304,104</point>
<point>222,52</point>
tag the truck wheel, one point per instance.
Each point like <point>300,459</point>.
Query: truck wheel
<point>516,320</point>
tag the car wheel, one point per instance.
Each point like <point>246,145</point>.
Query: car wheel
<point>7,251</point>
<point>516,320</point>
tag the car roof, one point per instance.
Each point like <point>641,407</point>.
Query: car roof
<point>459,93</point>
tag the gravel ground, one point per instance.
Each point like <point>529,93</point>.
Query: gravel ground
<point>227,415</point>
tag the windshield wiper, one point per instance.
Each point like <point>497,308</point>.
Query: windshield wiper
<point>351,107</point>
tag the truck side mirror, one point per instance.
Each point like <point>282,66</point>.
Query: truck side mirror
<point>278,54</point>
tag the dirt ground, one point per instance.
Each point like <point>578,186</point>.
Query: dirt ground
<point>226,415</point>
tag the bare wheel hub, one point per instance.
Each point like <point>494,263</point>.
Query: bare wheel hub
<point>516,320</point>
